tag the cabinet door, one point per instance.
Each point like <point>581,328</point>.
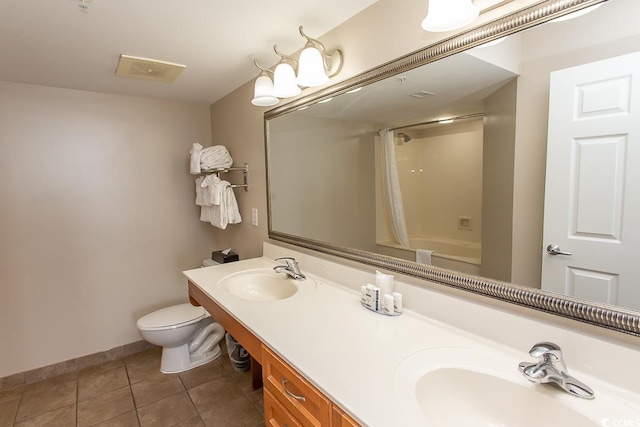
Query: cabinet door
<point>297,395</point>
<point>341,419</point>
<point>275,415</point>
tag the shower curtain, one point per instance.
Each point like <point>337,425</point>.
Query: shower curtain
<point>392,187</point>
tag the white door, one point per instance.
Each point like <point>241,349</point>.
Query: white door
<point>592,194</point>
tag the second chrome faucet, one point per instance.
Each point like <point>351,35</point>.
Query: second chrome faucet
<point>551,368</point>
<point>290,268</point>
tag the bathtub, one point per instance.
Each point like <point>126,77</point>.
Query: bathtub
<point>455,255</point>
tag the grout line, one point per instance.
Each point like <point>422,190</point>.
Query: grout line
<point>226,371</point>
<point>135,407</point>
<point>77,397</point>
<point>15,416</point>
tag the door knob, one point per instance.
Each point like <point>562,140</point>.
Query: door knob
<point>555,250</point>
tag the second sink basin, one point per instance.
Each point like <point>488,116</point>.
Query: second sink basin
<point>473,387</point>
<point>263,285</point>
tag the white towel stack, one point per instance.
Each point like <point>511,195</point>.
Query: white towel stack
<point>210,158</point>
<point>217,201</point>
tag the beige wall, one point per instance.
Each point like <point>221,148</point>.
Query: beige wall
<point>97,218</point>
<point>238,125</point>
<point>440,173</point>
<point>497,182</point>
<point>386,30</point>
<point>323,166</point>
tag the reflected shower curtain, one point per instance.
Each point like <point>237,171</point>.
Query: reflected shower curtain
<point>392,187</point>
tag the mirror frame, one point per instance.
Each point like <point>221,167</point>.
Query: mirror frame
<point>615,318</point>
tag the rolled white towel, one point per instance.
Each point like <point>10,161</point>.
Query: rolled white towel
<point>215,157</point>
<point>194,163</point>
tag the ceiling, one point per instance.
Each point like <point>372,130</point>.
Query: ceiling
<point>440,89</point>
<point>57,43</point>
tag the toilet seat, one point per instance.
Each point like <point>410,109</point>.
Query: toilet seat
<point>171,317</point>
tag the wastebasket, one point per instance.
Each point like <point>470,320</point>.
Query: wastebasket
<point>240,359</point>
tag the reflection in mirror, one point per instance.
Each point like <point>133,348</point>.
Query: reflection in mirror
<point>472,191</point>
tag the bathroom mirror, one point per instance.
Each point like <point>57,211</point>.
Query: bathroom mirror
<point>473,191</point>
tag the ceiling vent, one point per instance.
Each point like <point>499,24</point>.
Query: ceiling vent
<point>149,69</point>
<point>422,94</point>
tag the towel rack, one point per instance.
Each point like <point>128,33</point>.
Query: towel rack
<point>245,174</point>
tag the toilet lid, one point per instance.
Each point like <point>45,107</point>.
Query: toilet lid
<point>171,316</point>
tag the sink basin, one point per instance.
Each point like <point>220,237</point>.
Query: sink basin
<point>263,285</point>
<point>469,387</point>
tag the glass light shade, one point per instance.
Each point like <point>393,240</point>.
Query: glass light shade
<point>284,81</point>
<point>311,72</point>
<point>447,15</point>
<point>263,91</point>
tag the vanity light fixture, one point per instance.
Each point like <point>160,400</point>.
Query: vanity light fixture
<point>447,15</point>
<point>263,89</point>
<point>314,67</point>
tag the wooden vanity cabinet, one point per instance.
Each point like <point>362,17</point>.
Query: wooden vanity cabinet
<point>293,401</point>
<point>275,415</point>
<point>241,334</point>
<point>289,399</point>
<point>306,403</point>
<point>340,419</point>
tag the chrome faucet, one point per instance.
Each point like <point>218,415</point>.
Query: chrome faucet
<point>552,369</point>
<point>290,268</point>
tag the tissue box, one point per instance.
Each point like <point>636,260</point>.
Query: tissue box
<point>218,256</point>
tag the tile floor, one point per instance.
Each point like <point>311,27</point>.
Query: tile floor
<point>133,392</point>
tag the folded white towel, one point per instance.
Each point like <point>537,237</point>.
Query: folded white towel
<point>215,157</point>
<point>226,211</point>
<point>194,163</point>
<point>423,256</point>
<point>233,213</point>
<point>206,213</point>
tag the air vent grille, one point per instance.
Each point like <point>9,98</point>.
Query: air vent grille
<point>149,69</point>
<point>422,94</point>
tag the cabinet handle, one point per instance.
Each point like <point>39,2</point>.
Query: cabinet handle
<point>295,396</point>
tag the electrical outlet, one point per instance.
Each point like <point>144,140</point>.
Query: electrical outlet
<point>254,216</point>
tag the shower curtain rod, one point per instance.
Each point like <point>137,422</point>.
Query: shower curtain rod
<point>430,122</point>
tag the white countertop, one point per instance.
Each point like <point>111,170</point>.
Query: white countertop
<point>347,351</point>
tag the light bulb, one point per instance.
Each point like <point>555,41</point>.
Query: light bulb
<point>284,81</point>
<point>447,15</point>
<point>263,91</point>
<point>311,71</point>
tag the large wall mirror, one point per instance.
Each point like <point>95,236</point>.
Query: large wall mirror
<point>503,161</point>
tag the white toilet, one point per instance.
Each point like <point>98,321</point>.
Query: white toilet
<point>188,335</point>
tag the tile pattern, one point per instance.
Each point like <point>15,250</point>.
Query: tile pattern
<point>132,392</point>
<point>73,365</point>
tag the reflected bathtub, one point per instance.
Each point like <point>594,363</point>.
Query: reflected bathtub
<point>455,255</point>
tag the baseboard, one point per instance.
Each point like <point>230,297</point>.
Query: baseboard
<point>72,365</point>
